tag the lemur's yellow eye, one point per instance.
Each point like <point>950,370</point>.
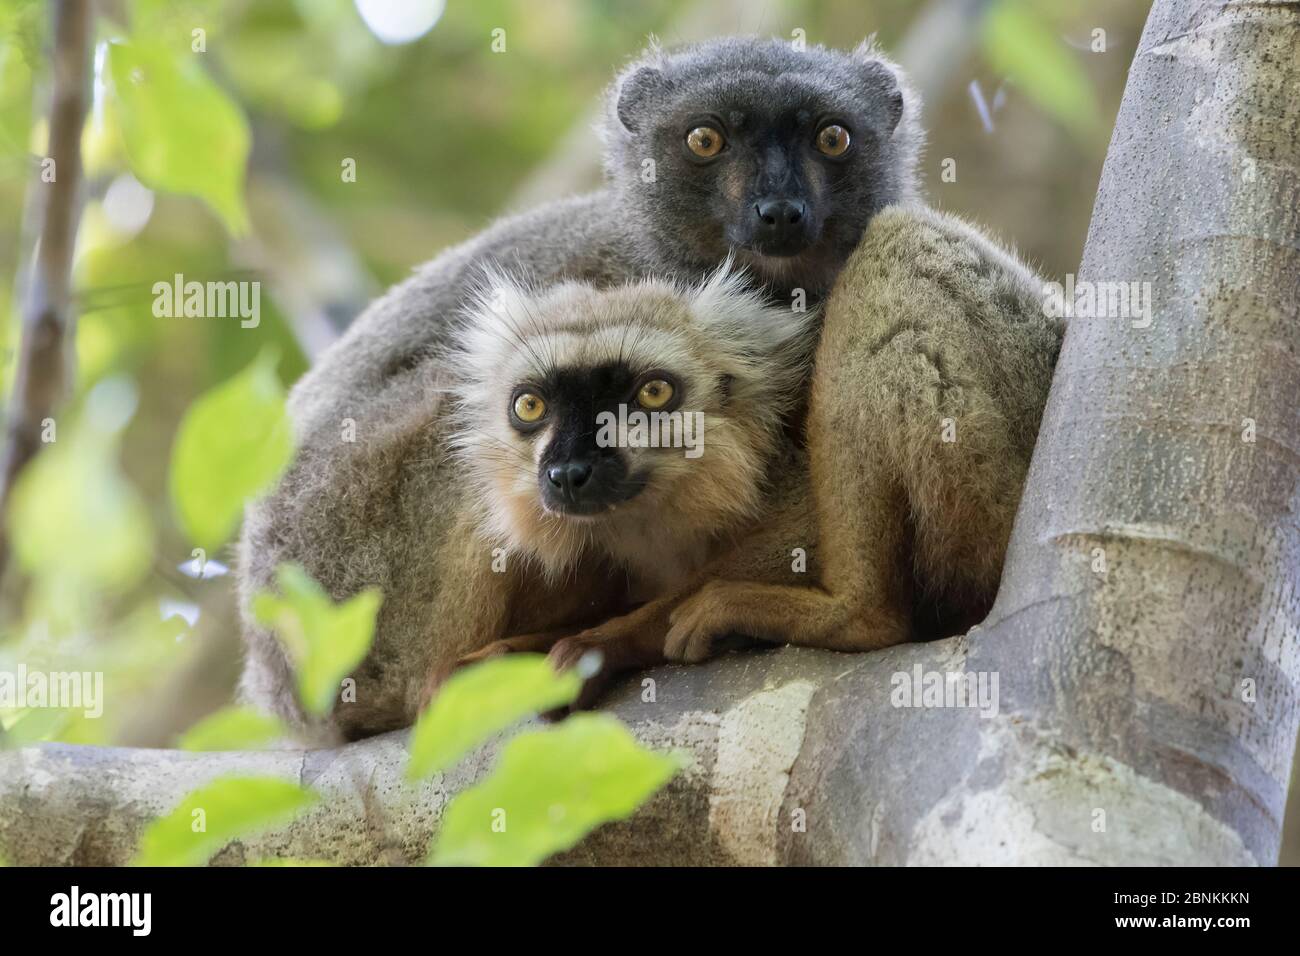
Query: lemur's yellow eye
<point>655,394</point>
<point>705,142</point>
<point>529,408</point>
<point>833,140</point>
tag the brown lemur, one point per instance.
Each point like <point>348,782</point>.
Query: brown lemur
<point>608,443</point>
<point>744,147</point>
<point>929,381</point>
<point>930,377</point>
<point>639,428</point>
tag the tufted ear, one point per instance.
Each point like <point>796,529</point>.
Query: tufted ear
<point>881,77</point>
<point>636,91</point>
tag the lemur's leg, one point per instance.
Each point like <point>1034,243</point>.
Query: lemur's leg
<point>916,473</point>
<point>861,598</point>
<point>872,424</point>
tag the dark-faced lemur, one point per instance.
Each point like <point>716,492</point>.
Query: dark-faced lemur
<point>751,148</point>
<point>930,377</point>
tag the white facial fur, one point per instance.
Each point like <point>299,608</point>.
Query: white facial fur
<point>740,360</point>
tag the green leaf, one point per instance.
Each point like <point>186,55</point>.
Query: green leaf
<point>15,95</point>
<point>483,700</point>
<point>1020,44</point>
<point>234,443</point>
<point>233,728</point>
<point>183,134</point>
<point>225,809</point>
<point>77,523</point>
<point>550,789</point>
<point>325,640</point>
<point>35,726</point>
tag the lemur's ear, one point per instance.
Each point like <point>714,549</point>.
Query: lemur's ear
<point>882,80</point>
<point>635,90</point>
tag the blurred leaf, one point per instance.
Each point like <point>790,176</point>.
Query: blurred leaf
<point>35,726</point>
<point>1021,45</point>
<point>233,443</point>
<point>325,640</point>
<point>225,809</point>
<point>182,132</point>
<point>136,652</point>
<point>232,728</point>
<point>23,26</point>
<point>77,524</point>
<point>483,700</point>
<point>176,19</point>
<point>549,790</point>
<point>15,98</point>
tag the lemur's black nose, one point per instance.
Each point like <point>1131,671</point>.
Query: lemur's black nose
<point>778,214</point>
<point>569,477</point>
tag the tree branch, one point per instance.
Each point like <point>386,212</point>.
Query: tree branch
<point>756,725</point>
<point>43,363</point>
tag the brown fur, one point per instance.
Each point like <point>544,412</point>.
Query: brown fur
<point>401,519</point>
<point>703,334</point>
<point>929,321</point>
<point>390,509</point>
<point>691,510</point>
<point>904,533</point>
<point>432,529</point>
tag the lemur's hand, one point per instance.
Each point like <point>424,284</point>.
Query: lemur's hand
<point>700,621</point>
<point>589,653</point>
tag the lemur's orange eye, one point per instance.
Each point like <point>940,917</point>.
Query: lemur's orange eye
<point>705,142</point>
<point>529,408</point>
<point>655,394</point>
<point>832,140</point>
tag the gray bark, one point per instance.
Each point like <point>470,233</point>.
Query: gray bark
<point>1124,732</point>
<point>771,734</point>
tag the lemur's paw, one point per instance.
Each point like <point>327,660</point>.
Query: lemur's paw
<point>584,653</point>
<point>699,621</point>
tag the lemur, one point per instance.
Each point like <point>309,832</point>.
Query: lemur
<point>735,147</point>
<point>929,380</point>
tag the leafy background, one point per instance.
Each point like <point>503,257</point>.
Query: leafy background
<point>226,164</point>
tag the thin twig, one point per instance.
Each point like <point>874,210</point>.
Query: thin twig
<point>42,374</point>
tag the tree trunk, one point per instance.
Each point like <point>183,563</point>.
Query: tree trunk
<point>1161,685</point>
<point>1144,641</point>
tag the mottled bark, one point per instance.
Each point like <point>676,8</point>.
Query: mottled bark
<point>63,804</point>
<point>1145,639</point>
<point>1164,690</point>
